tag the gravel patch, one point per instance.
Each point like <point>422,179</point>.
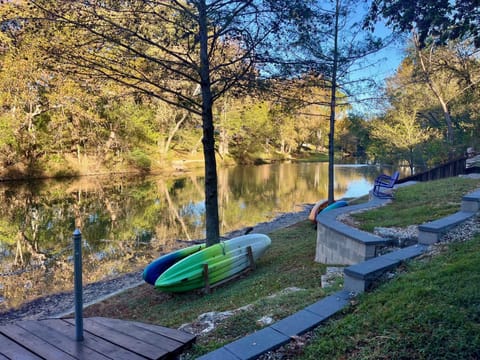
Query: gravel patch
<point>60,304</point>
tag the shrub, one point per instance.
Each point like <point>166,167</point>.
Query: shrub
<point>140,160</point>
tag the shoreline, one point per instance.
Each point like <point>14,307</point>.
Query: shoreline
<point>62,304</point>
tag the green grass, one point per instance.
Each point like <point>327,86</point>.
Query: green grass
<point>312,157</point>
<point>432,311</point>
<point>414,205</point>
<point>289,262</point>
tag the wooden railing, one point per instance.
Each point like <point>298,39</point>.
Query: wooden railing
<point>452,168</point>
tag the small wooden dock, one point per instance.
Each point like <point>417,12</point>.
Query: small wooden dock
<point>103,339</point>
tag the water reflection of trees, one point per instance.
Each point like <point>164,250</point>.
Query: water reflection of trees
<point>126,222</point>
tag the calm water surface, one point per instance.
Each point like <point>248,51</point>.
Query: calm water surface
<point>127,222</point>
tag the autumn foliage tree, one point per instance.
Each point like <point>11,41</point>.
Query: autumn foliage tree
<point>433,25</point>
<point>163,49</point>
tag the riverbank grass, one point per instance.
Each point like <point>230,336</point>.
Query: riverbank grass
<point>419,203</point>
<point>431,299</point>
<point>430,311</point>
<point>286,279</point>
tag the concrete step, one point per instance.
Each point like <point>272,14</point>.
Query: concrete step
<point>471,202</point>
<point>359,277</point>
<point>281,332</point>
<point>431,232</point>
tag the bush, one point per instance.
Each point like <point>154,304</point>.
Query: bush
<point>140,160</point>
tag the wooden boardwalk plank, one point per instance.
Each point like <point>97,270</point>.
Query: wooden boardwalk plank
<point>127,341</point>
<point>9,349</point>
<point>104,339</point>
<point>141,333</point>
<point>65,343</point>
<point>112,351</point>
<point>26,340</point>
<point>30,341</point>
<point>177,335</point>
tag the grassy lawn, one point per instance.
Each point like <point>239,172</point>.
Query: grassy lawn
<point>287,263</point>
<point>422,202</point>
<point>430,311</point>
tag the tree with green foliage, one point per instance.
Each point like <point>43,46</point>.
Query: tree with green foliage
<point>449,73</point>
<point>432,23</point>
<point>400,133</point>
<point>331,44</point>
<point>43,113</point>
<point>442,82</point>
<point>156,47</point>
<point>433,20</point>
<point>301,112</point>
<point>250,128</point>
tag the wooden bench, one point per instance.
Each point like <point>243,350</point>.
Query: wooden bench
<point>386,182</point>
<point>359,277</point>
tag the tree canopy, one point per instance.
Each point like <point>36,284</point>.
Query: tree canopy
<point>185,53</point>
<point>436,21</point>
<point>138,83</point>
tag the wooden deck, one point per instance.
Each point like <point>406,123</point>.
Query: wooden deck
<point>103,339</point>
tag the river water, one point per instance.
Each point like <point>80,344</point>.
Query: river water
<point>128,221</point>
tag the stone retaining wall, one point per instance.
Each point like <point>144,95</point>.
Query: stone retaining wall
<point>338,243</point>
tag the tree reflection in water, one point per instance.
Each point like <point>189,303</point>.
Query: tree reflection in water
<point>127,222</point>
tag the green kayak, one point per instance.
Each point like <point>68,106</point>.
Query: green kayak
<point>224,260</point>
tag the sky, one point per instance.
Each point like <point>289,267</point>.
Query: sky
<point>384,64</point>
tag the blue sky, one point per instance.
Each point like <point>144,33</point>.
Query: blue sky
<point>384,64</point>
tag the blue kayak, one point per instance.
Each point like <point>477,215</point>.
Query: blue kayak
<point>158,266</point>
<point>335,205</point>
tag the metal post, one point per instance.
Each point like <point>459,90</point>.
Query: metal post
<point>77,250</point>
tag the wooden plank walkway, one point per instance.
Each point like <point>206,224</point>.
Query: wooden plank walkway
<point>103,339</point>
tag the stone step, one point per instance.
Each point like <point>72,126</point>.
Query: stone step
<point>359,277</point>
<point>471,202</point>
<point>431,232</point>
<point>281,332</point>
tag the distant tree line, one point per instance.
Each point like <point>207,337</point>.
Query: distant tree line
<point>54,109</point>
<point>60,102</point>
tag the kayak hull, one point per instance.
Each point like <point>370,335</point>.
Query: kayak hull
<point>319,206</point>
<point>335,205</point>
<point>159,265</point>
<point>224,260</point>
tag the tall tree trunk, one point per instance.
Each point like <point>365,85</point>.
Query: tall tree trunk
<point>410,162</point>
<point>211,191</point>
<point>223,144</point>
<point>333,101</point>
<point>448,119</point>
<point>172,133</point>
